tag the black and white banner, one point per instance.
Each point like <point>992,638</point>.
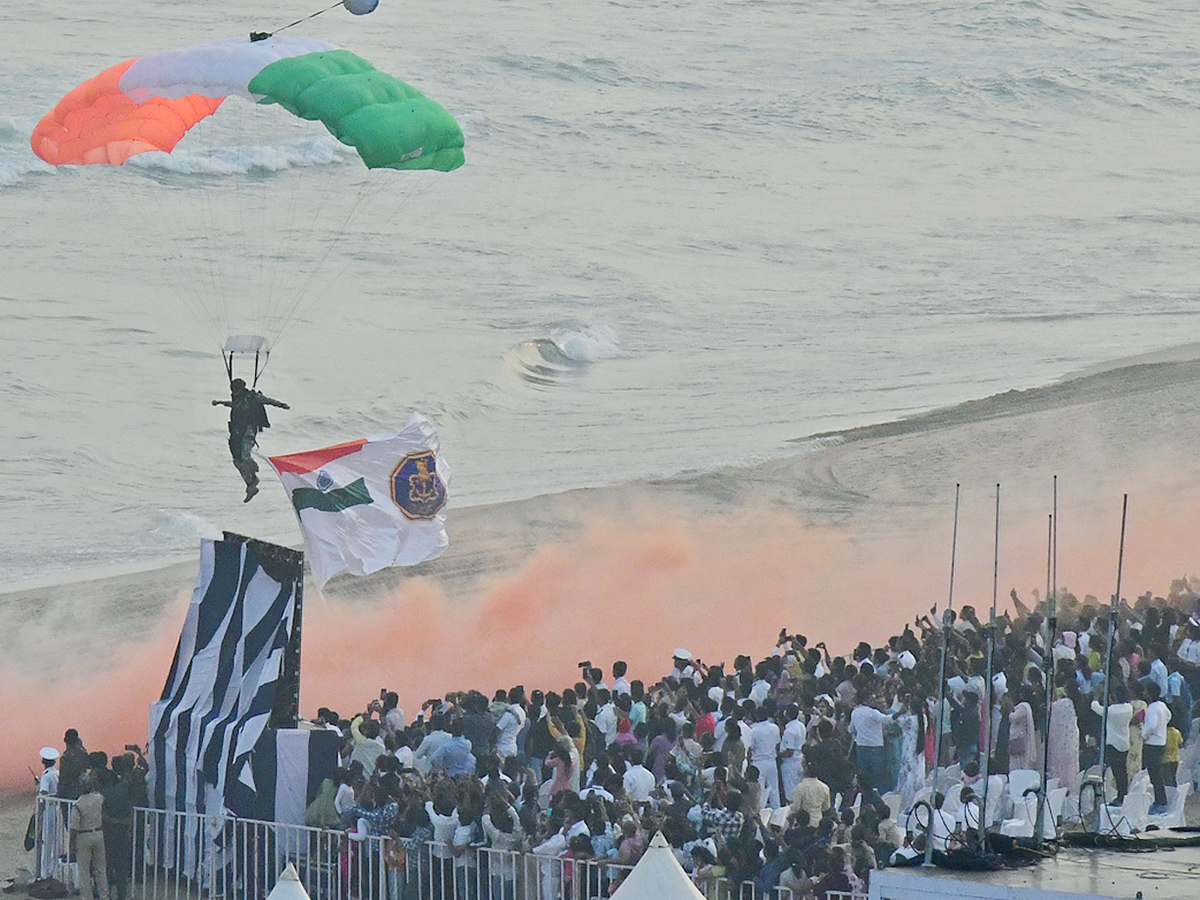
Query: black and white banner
<point>289,766</point>
<point>221,689</point>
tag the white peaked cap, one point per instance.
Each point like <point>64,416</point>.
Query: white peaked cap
<point>288,887</point>
<point>658,876</point>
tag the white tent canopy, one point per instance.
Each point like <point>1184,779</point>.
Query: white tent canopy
<point>658,876</point>
<point>288,887</point>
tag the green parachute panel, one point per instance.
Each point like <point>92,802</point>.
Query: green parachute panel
<point>391,124</point>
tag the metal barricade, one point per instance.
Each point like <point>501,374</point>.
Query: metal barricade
<point>52,839</point>
<point>193,856</point>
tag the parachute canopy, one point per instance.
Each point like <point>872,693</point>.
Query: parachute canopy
<point>150,103</point>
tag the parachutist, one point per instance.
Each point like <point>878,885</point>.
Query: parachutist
<point>256,36</point>
<point>247,417</point>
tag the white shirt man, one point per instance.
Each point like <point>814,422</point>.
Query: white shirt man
<point>1117,729</point>
<point>639,783</point>
<point>606,720</point>
<point>1154,727</point>
<point>790,767</point>
<point>866,725</point>
<point>620,682</point>
<point>763,751</point>
<point>444,829</point>
<point>508,727</point>
<point>1189,651</point>
<point>48,787</point>
<point>1158,673</point>
<point>759,691</point>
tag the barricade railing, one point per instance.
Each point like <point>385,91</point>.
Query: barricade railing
<point>52,822</point>
<point>179,856</point>
<point>192,856</point>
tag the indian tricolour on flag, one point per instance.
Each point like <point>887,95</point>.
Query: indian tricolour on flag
<point>372,503</point>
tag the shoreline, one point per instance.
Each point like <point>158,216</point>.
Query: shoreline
<point>1140,374</point>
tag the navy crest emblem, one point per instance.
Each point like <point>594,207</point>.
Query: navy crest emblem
<point>416,486</point>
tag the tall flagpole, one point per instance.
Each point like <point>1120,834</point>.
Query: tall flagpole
<point>991,652</point>
<point>947,624</point>
<point>1112,636</point>
<point>1051,630</point>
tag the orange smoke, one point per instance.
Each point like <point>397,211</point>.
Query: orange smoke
<point>634,589</point>
<point>106,698</point>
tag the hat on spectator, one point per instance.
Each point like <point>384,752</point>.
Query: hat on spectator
<point>680,653</point>
<point>49,753</point>
<point>907,660</point>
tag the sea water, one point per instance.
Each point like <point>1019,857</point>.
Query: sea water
<point>685,234</point>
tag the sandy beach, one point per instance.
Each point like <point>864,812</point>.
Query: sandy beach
<point>857,521</point>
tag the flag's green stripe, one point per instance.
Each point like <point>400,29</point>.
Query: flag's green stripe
<point>354,494</point>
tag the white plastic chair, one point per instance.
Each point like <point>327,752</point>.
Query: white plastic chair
<point>996,798</point>
<point>1140,783</point>
<point>953,799</point>
<point>1025,819</point>
<point>1020,780</point>
<point>1130,816</point>
<point>925,793</point>
<point>949,775</point>
<point>893,801</point>
<point>1173,817</point>
<point>1020,825</point>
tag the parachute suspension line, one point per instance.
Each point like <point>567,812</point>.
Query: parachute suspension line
<point>263,35</point>
<point>369,190</point>
<point>283,294</point>
<point>306,296</point>
<point>262,356</point>
<point>197,281</point>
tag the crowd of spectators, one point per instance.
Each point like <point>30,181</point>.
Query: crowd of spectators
<point>776,772</point>
<point>593,769</point>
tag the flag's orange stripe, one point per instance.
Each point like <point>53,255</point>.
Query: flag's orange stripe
<point>311,460</point>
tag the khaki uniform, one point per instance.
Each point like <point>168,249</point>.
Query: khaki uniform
<point>87,820</point>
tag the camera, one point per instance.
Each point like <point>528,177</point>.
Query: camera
<point>134,748</point>
<point>586,664</point>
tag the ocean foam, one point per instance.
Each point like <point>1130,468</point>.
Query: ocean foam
<point>261,158</point>
<point>587,345</point>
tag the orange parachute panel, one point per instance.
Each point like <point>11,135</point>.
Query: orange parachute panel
<point>98,123</point>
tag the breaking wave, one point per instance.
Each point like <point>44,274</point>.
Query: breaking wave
<point>549,360</point>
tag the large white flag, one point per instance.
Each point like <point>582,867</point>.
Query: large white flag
<point>369,504</point>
